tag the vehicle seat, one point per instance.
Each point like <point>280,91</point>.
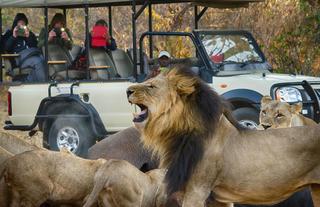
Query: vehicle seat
<point>15,72</point>
<point>99,57</point>
<point>146,67</point>
<point>59,71</point>
<point>123,63</point>
<point>217,58</point>
<point>75,52</point>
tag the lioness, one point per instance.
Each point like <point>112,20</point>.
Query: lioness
<point>15,145</point>
<point>184,121</point>
<point>125,145</point>
<point>42,175</point>
<point>119,183</point>
<point>276,114</point>
<point>4,194</point>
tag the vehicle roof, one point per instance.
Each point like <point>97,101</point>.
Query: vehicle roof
<point>96,3</point>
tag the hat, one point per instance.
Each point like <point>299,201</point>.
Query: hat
<point>18,17</point>
<point>164,53</point>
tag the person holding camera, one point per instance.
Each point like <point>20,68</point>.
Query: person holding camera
<point>58,33</point>
<point>100,38</point>
<point>21,40</point>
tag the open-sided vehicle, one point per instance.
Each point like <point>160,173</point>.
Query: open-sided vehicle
<point>75,112</point>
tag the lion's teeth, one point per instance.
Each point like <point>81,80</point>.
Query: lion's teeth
<point>144,111</point>
<point>135,115</point>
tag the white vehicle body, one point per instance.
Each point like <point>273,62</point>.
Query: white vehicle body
<point>96,108</point>
<point>110,100</point>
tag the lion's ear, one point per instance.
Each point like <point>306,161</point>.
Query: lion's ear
<point>265,100</point>
<point>183,84</point>
<point>296,108</point>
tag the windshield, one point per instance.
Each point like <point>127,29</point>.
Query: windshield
<point>235,48</point>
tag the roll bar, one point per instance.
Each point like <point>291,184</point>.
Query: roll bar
<point>46,4</point>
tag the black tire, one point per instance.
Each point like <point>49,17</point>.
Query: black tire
<point>249,117</point>
<point>74,133</point>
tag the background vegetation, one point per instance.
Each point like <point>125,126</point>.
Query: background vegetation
<point>287,30</point>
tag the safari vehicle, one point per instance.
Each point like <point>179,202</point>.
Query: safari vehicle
<point>74,111</point>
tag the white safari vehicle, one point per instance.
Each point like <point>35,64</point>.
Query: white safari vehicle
<point>74,109</point>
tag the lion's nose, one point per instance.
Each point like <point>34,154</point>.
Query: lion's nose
<point>129,92</point>
<point>265,126</point>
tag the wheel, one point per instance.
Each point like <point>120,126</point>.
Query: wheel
<point>72,134</point>
<point>248,117</point>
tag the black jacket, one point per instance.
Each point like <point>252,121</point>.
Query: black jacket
<point>15,45</point>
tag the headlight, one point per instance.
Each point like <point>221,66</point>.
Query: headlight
<point>288,94</point>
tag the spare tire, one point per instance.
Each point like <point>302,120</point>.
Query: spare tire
<point>247,116</point>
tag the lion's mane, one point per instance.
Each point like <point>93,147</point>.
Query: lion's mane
<point>178,134</point>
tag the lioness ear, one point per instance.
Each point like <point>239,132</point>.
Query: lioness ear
<point>296,108</point>
<point>266,100</point>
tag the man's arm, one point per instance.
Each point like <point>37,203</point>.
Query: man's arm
<point>68,43</point>
<point>41,38</point>
<point>8,41</point>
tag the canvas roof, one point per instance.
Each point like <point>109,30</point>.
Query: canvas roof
<point>80,3</point>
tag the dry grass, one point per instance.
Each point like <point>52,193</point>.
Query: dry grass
<point>36,139</point>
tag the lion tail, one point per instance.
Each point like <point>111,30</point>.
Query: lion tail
<point>100,180</point>
<point>186,152</point>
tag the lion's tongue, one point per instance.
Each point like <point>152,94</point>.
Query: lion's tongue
<point>140,116</point>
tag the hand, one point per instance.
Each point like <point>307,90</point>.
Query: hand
<point>52,34</point>
<point>64,36</point>
<point>15,32</point>
<point>27,32</point>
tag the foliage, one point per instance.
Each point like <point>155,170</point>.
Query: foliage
<point>287,30</point>
<point>298,47</point>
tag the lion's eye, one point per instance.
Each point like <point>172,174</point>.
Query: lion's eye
<point>151,86</point>
<point>279,115</point>
<point>263,112</point>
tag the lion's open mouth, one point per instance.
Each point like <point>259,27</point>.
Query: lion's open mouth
<point>143,115</point>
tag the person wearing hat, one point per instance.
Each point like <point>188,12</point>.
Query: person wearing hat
<point>20,40</point>
<point>58,33</point>
<point>164,59</point>
<point>19,37</point>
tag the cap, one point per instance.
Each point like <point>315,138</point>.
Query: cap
<point>164,53</point>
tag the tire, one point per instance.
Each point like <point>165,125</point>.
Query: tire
<point>72,134</point>
<point>249,117</point>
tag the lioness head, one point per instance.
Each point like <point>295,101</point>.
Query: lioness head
<point>277,114</point>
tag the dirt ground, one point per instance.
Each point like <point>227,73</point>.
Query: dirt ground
<point>35,139</point>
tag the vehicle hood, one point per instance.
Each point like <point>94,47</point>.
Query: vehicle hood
<point>259,82</point>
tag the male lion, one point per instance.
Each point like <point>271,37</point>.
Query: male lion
<point>42,175</point>
<point>277,114</point>
<point>184,121</point>
<point>119,183</point>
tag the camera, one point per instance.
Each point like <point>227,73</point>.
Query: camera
<point>21,31</point>
<point>59,31</point>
